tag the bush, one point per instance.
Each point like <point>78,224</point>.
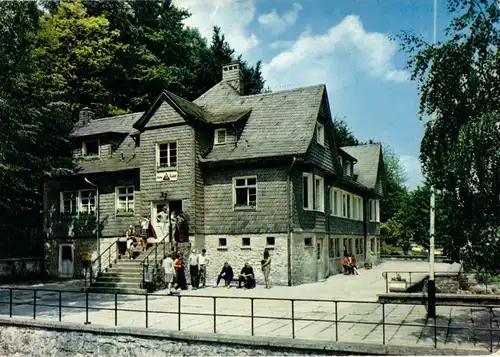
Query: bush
<point>388,249</point>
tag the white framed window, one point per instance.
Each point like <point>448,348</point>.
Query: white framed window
<point>346,205</point>
<point>245,243</point>
<point>69,202</point>
<point>91,148</point>
<point>166,155</point>
<point>357,210</point>
<point>334,248</point>
<point>245,192</point>
<point>319,192</point>
<point>320,134</point>
<point>222,243</point>
<point>307,191</point>
<point>220,136</point>
<point>124,199</point>
<point>87,201</point>
<point>348,168</point>
<point>374,210</point>
<point>335,202</point>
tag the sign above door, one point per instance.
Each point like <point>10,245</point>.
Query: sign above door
<point>166,176</point>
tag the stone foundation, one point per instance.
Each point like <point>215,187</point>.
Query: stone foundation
<point>236,255</point>
<point>81,246</point>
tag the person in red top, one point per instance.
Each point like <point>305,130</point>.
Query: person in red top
<point>347,268</point>
<point>353,265</point>
<point>180,275</point>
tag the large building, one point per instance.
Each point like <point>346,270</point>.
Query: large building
<point>250,172</point>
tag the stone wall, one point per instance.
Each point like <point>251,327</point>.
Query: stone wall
<point>81,246</point>
<point>16,269</point>
<point>16,341</point>
<point>237,255</point>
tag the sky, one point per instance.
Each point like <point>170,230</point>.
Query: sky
<point>343,43</point>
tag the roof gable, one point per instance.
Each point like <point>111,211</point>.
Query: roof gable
<point>369,159</point>
<point>169,108</point>
<point>279,124</point>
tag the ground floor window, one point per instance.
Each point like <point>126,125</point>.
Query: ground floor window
<point>334,251</point>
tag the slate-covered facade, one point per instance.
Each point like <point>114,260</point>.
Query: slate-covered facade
<point>250,172</point>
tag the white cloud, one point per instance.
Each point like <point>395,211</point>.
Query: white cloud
<point>413,170</point>
<point>277,23</point>
<point>233,17</point>
<point>344,49</point>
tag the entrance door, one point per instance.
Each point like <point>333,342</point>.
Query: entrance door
<point>319,258</point>
<point>157,207</point>
<point>66,260</point>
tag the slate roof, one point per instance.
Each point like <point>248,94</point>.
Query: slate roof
<point>118,124</point>
<point>368,157</point>
<point>280,123</point>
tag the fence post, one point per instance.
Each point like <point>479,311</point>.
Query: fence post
<point>386,283</point>
<point>85,275</point>
<point>215,314</point>
<point>491,329</point>
<point>435,331</point>
<point>179,312</point>
<point>293,318</point>
<point>410,278</point>
<point>87,308</point>
<point>147,311</point>
<point>34,304</point>
<point>383,323</point>
<point>116,309</point>
<point>251,316</point>
<point>60,306</point>
<point>336,322</point>
<point>10,303</point>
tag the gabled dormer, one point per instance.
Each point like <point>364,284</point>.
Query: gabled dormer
<point>347,163</point>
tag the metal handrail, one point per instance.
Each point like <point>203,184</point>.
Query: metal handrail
<point>145,262</point>
<point>99,258</point>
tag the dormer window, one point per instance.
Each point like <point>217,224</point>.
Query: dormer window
<point>91,148</point>
<point>320,134</point>
<point>348,168</point>
<point>220,136</point>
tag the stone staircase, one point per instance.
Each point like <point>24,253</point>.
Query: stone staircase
<point>125,275</point>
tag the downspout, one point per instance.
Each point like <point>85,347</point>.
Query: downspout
<point>289,219</point>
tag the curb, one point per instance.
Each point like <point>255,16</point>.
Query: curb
<point>302,345</point>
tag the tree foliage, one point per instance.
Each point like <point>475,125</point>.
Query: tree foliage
<point>459,88</point>
<point>113,56</point>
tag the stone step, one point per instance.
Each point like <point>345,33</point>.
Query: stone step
<point>122,279</point>
<point>104,290</point>
<point>116,285</point>
<point>125,270</point>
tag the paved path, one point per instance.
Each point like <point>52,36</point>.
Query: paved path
<point>361,321</point>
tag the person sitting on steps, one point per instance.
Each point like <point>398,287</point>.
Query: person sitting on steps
<point>247,277</point>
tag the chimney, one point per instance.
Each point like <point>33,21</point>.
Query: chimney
<point>232,75</point>
<point>86,115</point>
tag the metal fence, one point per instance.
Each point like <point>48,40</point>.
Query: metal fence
<point>412,278</point>
<point>8,299</point>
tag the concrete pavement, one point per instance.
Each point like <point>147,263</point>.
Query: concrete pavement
<point>360,321</point>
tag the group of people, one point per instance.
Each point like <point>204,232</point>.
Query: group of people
<point>135,244</point>
<point>247,275</point>
<point>173,223</point>
<point>175,274</point>
<point>349,265</point>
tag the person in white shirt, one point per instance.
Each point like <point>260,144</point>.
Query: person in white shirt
<point>194,268</point>
<point>130,248</point>
<point>204,261</point>
<point>163,221</point>
<point>168,268</point>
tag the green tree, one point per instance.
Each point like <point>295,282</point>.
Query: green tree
<point>75,51</point>
<point>33,130</point>
<point>459,88</point>
<point>393,183</point>
<point>342,133</point>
